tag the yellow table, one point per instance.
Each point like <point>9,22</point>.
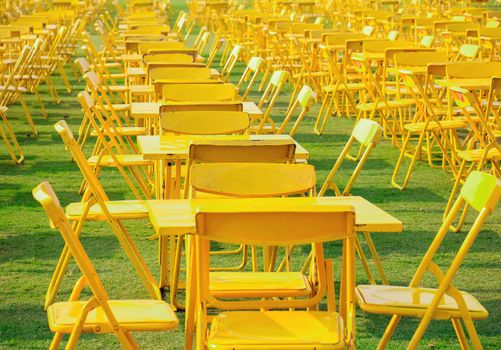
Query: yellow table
<point>169,151</point>
<point>177,216</point>
<point>171,218</point>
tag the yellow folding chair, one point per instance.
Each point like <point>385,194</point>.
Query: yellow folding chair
<point>304,99</point>
<point>481,191</point>
<point>96,206</point>
<point>99,314</point>
<point>218,151</point>
<point>367,134</point>
<point>230,62</point>
<point>250,73</point>
<point>338,85</point>
<point>272,91</point>
<point>273,329</point>
<point>483,152</point>
<point>112,151</point>
<point>431,132</point>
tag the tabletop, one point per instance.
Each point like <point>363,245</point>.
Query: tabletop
<point>177,216</point>
<point>177,146</point>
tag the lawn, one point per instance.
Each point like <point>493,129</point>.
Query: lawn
<point>29,249</point>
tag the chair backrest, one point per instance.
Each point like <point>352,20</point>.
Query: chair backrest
<point>252,180</point>
<point>467,52</point>
<point>178,73</point>
<point>145,47</point>
<point>269,221</point>
<point>367,30</point>
<point>421,58</point>
<point>242,151</point>
<point>199,92</point>
<point>204,122</point>
<point>427,41</point>
<point>473,69</point>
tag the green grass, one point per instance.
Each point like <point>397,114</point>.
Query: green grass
<point>29,248</point>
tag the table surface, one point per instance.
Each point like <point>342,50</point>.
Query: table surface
<point>177,146</point>
<point>152,109</point>
<point>177,216</point>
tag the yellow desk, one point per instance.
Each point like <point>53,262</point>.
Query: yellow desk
<point>177,216</point>
<point>171,218</point>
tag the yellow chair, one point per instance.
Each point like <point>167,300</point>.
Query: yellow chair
<point>96,206</point>
<point>431,132</point>
<point>367,134</point>
<point>274,225</point>
<point>304,99</point>
<point>230,62</point>
<point>338,85</point>
<point>482,152</point>
<point>99,314</point>
<point>250,73</point>
<point>221,151</point>
<point>111,150</point>
<point>481,191</point>
<point>271,93</point>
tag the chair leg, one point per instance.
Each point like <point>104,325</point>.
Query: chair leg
<point>414,157</point>
<point>28,115</point>
<point>56,341</point>
<point>458,328</point>
<point>376,258</point>
<point>365,262</point>
<point>42,104</point>
<point>390,329</point>
<point>66,82</point>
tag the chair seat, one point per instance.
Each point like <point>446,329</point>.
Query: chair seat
<point>276,329</point>
<point>381,105</point>
<point>445,124</point>
<point>124,160</point>
<point>133,315</point>
<point>413,302</point>
<point>127,209</point>
<point>3,109</point>
<point>259,284</point>
<point>127,131</point>
<point>476,155</point>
